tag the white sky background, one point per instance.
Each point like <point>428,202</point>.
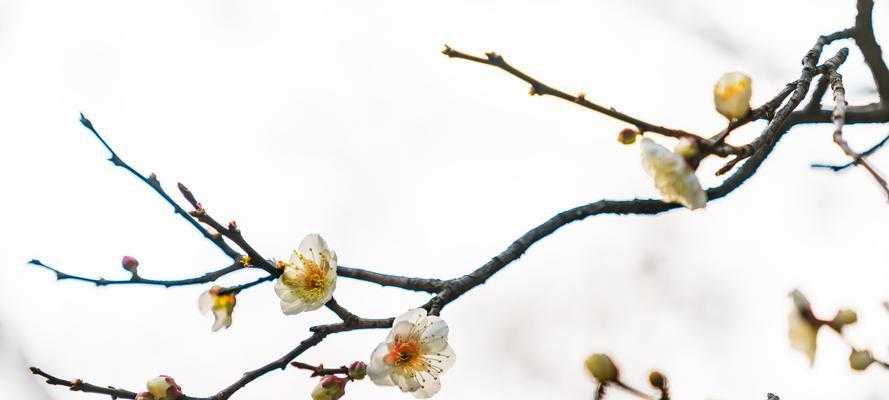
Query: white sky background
<point>343,118</point>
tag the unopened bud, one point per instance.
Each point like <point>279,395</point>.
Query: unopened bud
<point>687,147</point>
<point>129,264</point>
<point>357,370</point>
<point>657,380</point>
<point>164,388</point>
<point>602,368</point>
<point>144,396</point>
<point>859,360</point>
<point>627,136</point>
<point>845,317</point>
<point>233,226</point>
<point>331,387</point>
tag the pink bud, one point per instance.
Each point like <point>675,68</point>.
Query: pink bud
<point>129,263</point>
<point>144,396</point>
<point>357,370</point>
<point>331,387</point>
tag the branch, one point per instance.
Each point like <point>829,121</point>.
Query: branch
<point>136,279</point>
<point>863,154</point>
<point>541,89</point>
<point>320,370</point>
<point>152,181</point>
<point>839,119</point>
<point>231,232</point>
<point>415,284</point>
<point>870,49</point>
<point>78,385</point>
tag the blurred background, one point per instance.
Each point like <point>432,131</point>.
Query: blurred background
<point>343,118</point>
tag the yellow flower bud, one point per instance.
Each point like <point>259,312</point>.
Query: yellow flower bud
<point>601,367</point>
<point>845,317</point>
<point>732,95</point>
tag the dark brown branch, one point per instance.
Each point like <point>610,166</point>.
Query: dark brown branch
<point>541,89</point>
<point>863,154</point>
<point>839,119</point>
<point>415,284</point>
<point>152,181</point>
<point>231,232</point>
<point>78,385</point>
<point>136,279</point>
<point>870,49</point>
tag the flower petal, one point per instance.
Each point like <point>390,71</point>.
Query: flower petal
<point>205,302</point>
<point>430,386</point>
<point>413,316</point>
<point>444,359</point>
<point>295,307</point>
<point>378,370</point>
<point>311,247</point>
<point>407,383</point>
<point>401,329</point>
<point>223,319</point>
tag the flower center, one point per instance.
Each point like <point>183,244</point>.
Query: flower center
<point>314,283</point>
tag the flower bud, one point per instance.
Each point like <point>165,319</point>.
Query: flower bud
<point>144,396</point>
<point>357,370</point>
<point>331,387</point>
<point>627,136</point>
<point>657,380</point>
<point>687,147</point>
<point>732,93</point>
<point>164,388</point>
<point>129,263</point>
<point>601,367</point>
<point>859,360</point>
<point>845,317</point>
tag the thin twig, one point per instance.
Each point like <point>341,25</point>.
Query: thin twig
<point>136,279</point>
<point>863,154</point>
<point>839,119</point>
<point>152,181</point>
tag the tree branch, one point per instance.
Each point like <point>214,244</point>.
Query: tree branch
<point>870,49</point>
<point>136,279</point>
<point>152,181</point>
<point>863,154</point>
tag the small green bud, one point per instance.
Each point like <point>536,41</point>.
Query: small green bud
<point>602,368</point>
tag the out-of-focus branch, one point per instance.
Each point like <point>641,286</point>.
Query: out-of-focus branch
<point>839,119</point>
<point>152,181</point>
<point>863,154</point>
<point>870,49</point>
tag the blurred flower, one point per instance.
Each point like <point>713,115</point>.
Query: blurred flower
<point>222,306</point>
<point>413,355</point>
<point>673,177</point>
<point>357,370</point>
<point>331,387</point>
<point>246,261</point>
<point>164,388</point>
<point>732,95</point>
<point>129,264</point>
<point>859,360</point>
<point>144,396</point>
<point>602,368</point>
<point>627,136</point>
<point>309,278</point>
<point>844,317</point>
<point>803,326</point>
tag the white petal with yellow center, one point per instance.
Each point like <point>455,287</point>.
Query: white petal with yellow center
<point>672,175</point>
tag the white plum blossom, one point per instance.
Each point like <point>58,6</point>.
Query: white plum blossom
<point>309,279</point>
<point>414,354</point>
<point>732,93</point>
<point>222,306</point>
<point>672,175</point>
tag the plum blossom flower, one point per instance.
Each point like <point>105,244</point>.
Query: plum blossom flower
<point>414,354</point>
<point>163,388</point>
<point>731,95</point>
<point>222,306</point>
<point>672,175</point>
<point>309,278</point>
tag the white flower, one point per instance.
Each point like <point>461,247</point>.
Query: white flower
<point>803,327</point>
<point>309,278</point>
<point>732,95</point>
<point>413,355</point>
<point>163,388</point>
<point>221,305</point>
<point>673,177</point>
